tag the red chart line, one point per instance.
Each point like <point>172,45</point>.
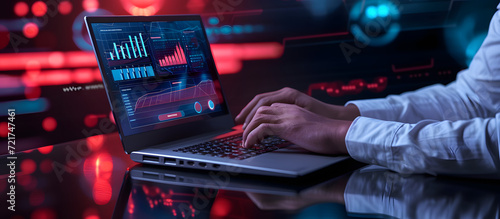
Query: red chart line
<point>314,36</point>
<point>413,68</point>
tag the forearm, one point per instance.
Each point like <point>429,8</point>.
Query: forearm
<point>461,147</point>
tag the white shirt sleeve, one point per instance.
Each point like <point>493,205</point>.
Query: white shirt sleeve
<point>438,129</point>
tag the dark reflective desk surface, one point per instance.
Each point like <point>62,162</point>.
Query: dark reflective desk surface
<point>94,179</point>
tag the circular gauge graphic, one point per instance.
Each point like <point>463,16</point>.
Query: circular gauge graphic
<point>375,22</point>
<point>197,107</point>
<point>211,105</point>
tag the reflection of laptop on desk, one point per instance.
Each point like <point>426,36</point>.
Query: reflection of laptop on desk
<point>145,189</point>
<point>168,104</point>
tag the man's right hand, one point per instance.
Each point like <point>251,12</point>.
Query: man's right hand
<point>292,96</point>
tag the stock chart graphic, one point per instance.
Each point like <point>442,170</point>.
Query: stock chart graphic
<point>170,100</point>
<point>178,58</point>
<point>178,47</point>
<point>158,72</point>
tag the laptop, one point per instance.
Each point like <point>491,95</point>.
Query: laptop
<point>167,100</point>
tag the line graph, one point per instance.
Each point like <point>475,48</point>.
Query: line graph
<point>204,88</point>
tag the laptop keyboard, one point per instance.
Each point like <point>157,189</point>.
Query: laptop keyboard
<point>230,147</point>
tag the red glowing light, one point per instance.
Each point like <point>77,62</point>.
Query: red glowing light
<point>413,68</point>
<point>221,207</point>
<point>90,120</point>
<point>145,190</point>
<point>90,213</point>
<point>30,30</point>
<point>4,37</point>
<point>101,192</point>
<point>46,149</point>
<point>90,5</point>
<point>95,142</point>
<point>21,9</point>
<point>32,92</point>
<point>28,166</point>
<point>356,86</point>
<point>142,7</point>
<point>104,164</point>
<point>3,129</point>
<point>196,6</point>
<point>39,8</point>
<point>142,3</point>
<point>43,213</point>
<point>46,166</point>
<point>228,66</point>
<point>65,7</point>
<point>83,75</point>
<point>229,57</point>
<point>111,117</point>
<point>98,167</point>
<point>37,197</point>
<point>33,66</point>
<point>49,124</point>
<point>131,205</point>
<point>56,59</point>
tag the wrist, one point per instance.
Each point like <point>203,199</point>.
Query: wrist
<point>350,112</point>
<point>339,134</point>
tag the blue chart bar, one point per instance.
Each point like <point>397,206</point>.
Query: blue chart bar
<point>132,45</point>
<point>117,74</point>
<point>143,71</point>
<point>123,53</point>
<point>132,73</point>
<point>111,54</point>
<point>143,47</point>
<point>137,73</point>
<point>138,48</point>
<point>128,51</point>
<point>150,71</point>
<point>116,50</point>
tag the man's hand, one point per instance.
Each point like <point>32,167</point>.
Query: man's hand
<point>299,126</point>
<point>292,96</point>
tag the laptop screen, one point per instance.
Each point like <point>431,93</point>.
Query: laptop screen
<point>159,73</point>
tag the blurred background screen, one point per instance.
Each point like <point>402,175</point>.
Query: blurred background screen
<point>333,50</point>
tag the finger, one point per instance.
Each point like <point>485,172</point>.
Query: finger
<point>259,133</point>
<point>266,101</point>
<point>246,110</point>
<point>265,115</point>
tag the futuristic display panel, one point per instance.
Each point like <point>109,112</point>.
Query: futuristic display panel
<point>158,73</point>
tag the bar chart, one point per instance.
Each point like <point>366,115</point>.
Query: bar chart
<point>132,73</point>
<point>130,48</point>
<point>177,58</point>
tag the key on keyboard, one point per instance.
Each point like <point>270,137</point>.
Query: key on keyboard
<point>230,147</point>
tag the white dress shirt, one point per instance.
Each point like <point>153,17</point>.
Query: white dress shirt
<point>451,129</point>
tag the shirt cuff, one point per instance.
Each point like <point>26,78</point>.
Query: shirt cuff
<point>375,108</point>
<point>369,140</point>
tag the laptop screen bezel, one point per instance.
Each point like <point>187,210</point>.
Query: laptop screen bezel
<point>177,132</point>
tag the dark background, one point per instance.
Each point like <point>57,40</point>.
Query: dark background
<point>331,49</point>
